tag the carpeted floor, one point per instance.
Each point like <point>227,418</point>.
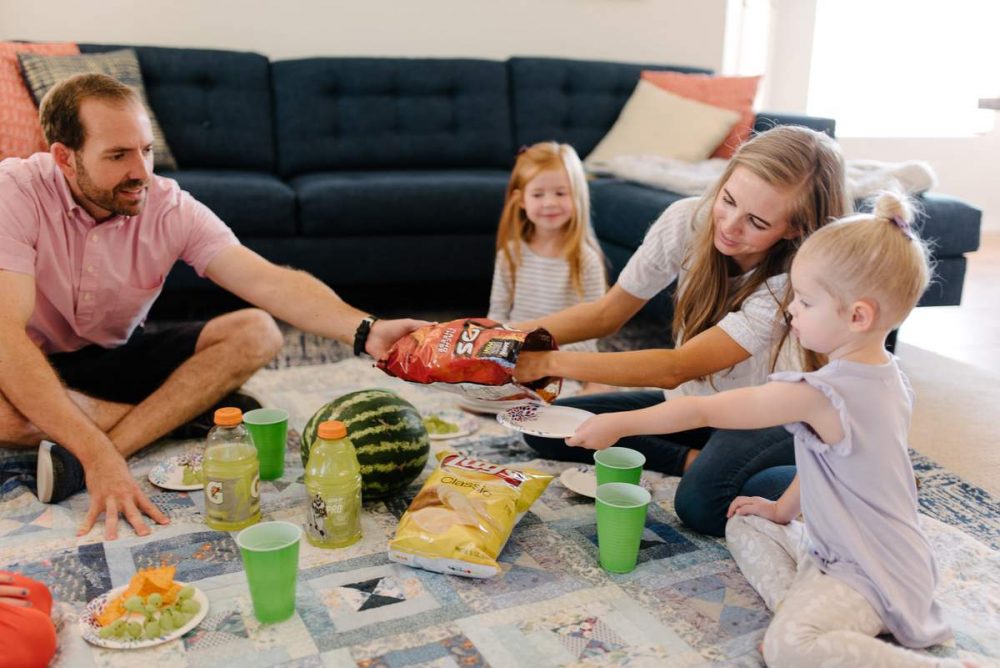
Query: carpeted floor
<point>686,604</point>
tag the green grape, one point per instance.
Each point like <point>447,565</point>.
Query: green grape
<point>149,609</point>
<point>181,618</point>
<point>154,599</point>
<point>186,592</point>
<point>120,631</point>
<point>166,622</point>
<point>107,631</point>
<point>153,629</point>
<point>134,629</point>
<point>190,605</point>
<point>134,604</point>
<point>148,632</point>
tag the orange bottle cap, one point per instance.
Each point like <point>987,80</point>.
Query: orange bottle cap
<point>228,417</point>
<point>332,430</point>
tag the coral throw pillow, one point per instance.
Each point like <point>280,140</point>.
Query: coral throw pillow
<point>20,130</point>
<point>734,93</point>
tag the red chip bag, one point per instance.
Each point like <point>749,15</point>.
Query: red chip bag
<point>470,356</point>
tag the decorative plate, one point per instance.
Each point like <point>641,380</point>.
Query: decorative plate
<point>463,423</point>
<point>538,419</point>
<point>89,626</point>
<point>170,474</point>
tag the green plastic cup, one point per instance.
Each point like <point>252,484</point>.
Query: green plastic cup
<point>268,429</point>
<point>618,465</point>
<point>271,560</point>
<point>621,518</point>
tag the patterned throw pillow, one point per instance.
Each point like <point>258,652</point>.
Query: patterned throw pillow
<point>735,93</point>
<point>43,72</point>
<point>20,130</point>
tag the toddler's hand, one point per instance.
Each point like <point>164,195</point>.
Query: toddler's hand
<point>596,433</point>
<point>755,505</point>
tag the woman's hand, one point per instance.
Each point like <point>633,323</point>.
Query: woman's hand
<point>530,366</point>
<point>756,505</point>
<point>12,595</point>
<point>597,433</point>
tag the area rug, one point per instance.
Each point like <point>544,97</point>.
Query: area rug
<point>686,604</point>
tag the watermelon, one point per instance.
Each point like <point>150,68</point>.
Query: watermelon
<point>388,435</point>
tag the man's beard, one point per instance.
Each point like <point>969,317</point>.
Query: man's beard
<point>108,199</point>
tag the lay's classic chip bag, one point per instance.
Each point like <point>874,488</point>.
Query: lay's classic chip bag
<point>464,514</point>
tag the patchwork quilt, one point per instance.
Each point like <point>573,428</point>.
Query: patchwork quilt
<point>686,604</point>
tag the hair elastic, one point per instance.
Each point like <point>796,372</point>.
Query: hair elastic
<point>903,226</point>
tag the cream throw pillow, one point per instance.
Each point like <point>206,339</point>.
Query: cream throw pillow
<point>656,122</point>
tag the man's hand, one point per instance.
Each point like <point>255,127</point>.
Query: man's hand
<point>757,505</point>
<point>384,333</point>
<point>12,595</point>
<point>113,491</point>
<point>598,432</point>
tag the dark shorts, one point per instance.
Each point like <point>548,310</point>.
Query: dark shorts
<point>131,372</point>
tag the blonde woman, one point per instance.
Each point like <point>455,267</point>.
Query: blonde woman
<point>730,252</point>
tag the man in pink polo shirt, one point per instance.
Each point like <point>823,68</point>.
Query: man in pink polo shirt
<point>87,235</point>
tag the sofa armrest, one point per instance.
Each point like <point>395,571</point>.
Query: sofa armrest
<point>767,119</point>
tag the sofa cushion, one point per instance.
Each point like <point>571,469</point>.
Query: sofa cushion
<point>395,113</point>
<point>42,72</point>
<point>20,129</point>
<point>253,204</point>
<point>622,212</point>
<point>571,101</point>
<point>214,106</point>
<point>393,202</point>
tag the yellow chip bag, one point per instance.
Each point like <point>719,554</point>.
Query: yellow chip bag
<point>464,514</point>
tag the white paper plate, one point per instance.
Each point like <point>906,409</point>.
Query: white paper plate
<point>466,424</point>
<point>485,406</point>
<point>89,626</point>
<point>582,480</point>
<point>538,419</point>
<point>169,474</point>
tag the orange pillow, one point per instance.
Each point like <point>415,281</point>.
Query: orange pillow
<point>20,129</point>
<point>734,93</point>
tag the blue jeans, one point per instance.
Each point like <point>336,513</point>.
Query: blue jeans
<point>755,462</point>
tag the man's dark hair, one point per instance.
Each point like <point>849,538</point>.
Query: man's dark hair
<point>60,108</point>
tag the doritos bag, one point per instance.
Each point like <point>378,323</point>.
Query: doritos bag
<point>471,356</point>
<point>464,514</point>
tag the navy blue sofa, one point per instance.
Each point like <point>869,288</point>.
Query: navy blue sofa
<point>390,172</point>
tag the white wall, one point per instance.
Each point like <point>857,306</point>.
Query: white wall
<point>659,31</point>
<point>685,32</point>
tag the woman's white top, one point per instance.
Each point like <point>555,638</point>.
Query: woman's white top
<point>659,260</point>
<point>543,287</point>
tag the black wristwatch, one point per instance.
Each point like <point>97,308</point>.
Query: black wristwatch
<point>361,335</point>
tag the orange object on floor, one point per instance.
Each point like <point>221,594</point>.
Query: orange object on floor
<point>27,635</point>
